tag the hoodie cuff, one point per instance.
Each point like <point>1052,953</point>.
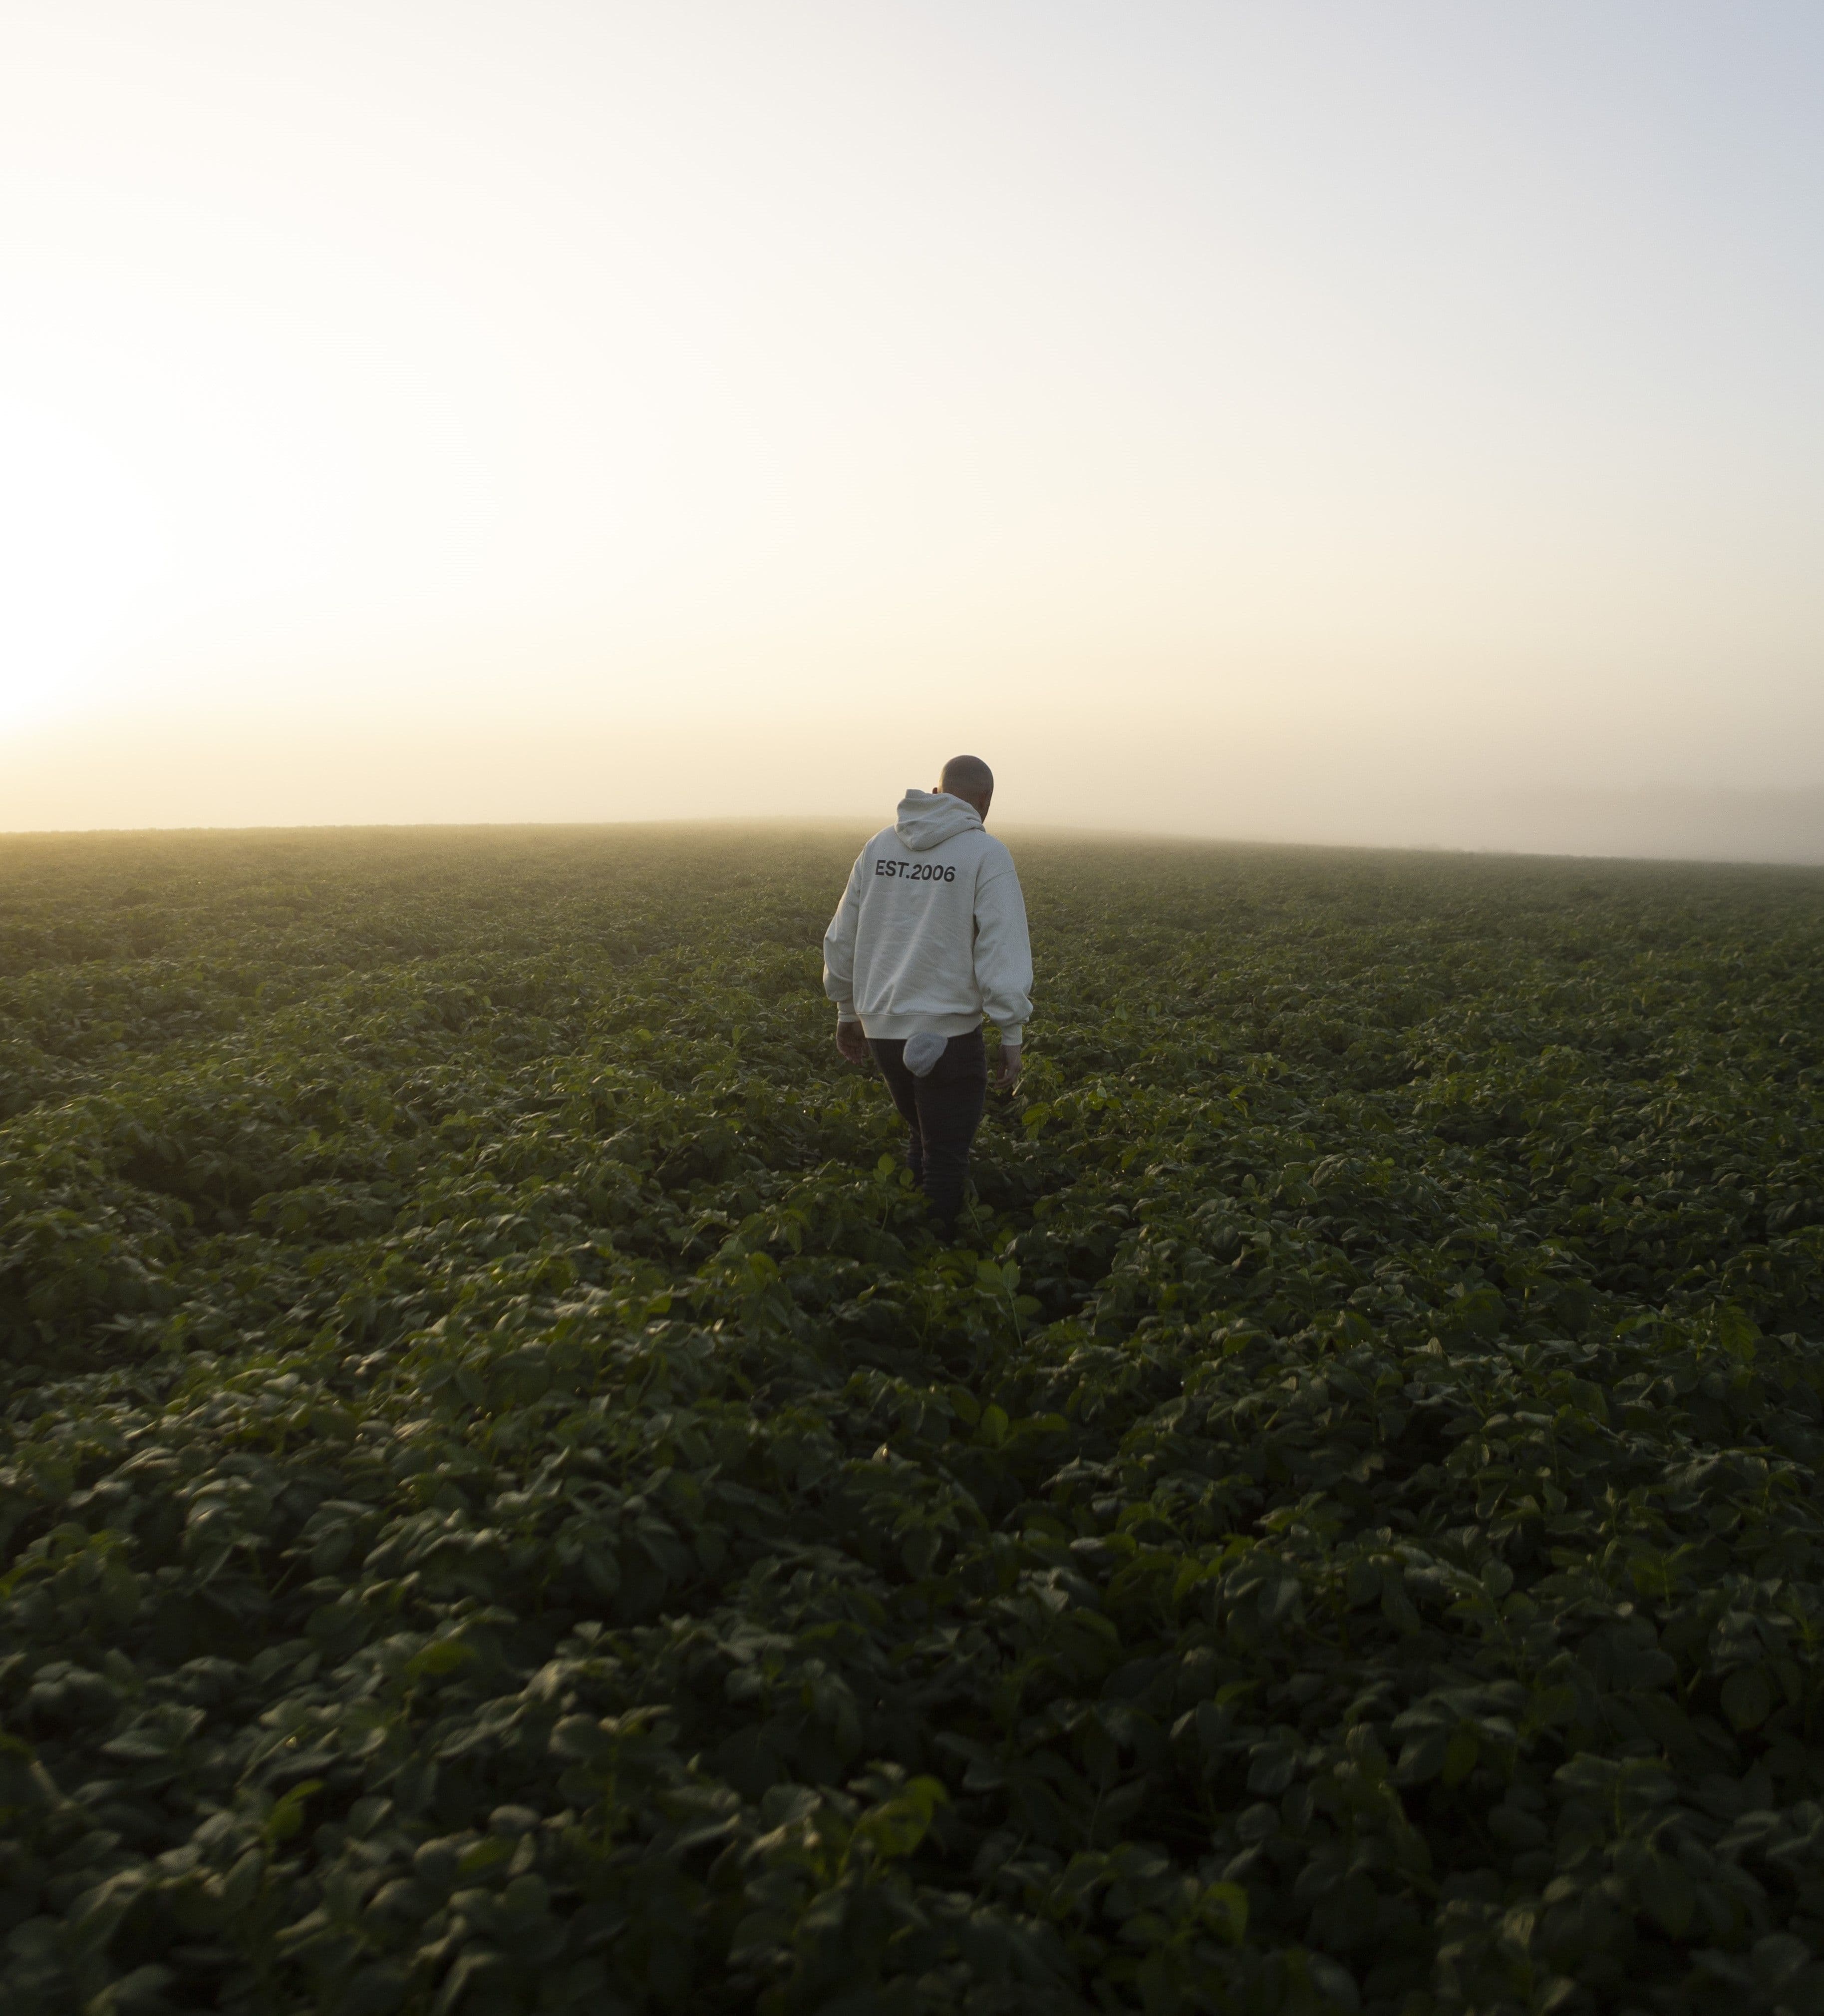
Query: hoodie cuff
<point>1011,1033</point>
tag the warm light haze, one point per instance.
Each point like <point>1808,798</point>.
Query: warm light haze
<point>1400,423</point>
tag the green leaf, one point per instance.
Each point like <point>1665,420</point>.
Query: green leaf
<point>287,1816</point>
<point>1460,1754</point>
<point>440,1656</point>
<point>1746,1699</point>
<point>1222,1907</point>
<point>1738,1334</point>
<point>582,1739</point>
<point>1423,1757</point>
<point>1666,1891</point>
<point>894,1828</point>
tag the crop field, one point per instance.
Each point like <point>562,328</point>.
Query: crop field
<point>506,1507</point>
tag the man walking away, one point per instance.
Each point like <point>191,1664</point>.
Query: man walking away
<point>930,934</point>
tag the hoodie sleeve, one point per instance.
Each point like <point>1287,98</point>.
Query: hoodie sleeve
<point>839,946</point>
<point>1003,952</point>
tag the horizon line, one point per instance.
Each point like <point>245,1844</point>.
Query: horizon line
<point>1038,831</point>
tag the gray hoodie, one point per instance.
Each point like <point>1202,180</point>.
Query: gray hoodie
<point>930,933</point>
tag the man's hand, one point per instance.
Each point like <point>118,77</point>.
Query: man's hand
<point>852,1042</point>
<point>1008,1076</point>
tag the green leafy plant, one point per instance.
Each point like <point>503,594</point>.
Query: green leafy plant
<point>506,1507</point>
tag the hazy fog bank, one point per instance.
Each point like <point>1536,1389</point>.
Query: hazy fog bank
<point>1773,827</point>
<point>1663,824</point>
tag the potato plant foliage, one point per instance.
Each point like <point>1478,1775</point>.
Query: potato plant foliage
<point>506,1508</point>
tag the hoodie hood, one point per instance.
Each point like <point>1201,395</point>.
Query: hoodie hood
<point>927,819</point>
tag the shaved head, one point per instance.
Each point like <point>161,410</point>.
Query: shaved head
<point>967,777</point>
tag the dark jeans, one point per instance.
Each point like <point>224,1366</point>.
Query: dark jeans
<point>943,1109</point>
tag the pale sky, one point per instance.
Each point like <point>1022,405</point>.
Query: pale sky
<point>1307,418</point>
